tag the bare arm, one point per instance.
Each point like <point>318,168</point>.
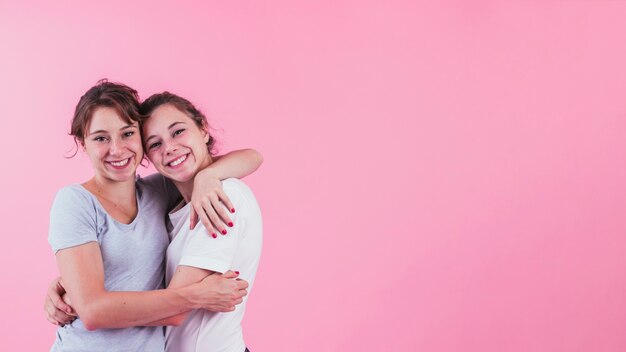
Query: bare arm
<point>83,275</point>
<point>210,204</point>
<point>185,275</point>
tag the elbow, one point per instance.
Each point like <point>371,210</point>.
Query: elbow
<point>89,323</point>
<point>259,158</point>
<point>90,317</point>
<point>89,326</point>
<point>177,320</point>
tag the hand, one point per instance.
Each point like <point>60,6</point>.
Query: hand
<point>58,312</point>
<point>219,292</point>
<point>210,204</point>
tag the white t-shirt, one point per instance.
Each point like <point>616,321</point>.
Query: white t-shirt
<point>239,250</point>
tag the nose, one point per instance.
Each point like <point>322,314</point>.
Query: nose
<point>171,148</point>
<point>116,147</point>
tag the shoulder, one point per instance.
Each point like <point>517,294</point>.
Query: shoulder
<point>156,187</point>
<point>241,196</point>
<point>73,195</point>
<point>152,182</point>
<point>237,188</point>
<point>73,218</point>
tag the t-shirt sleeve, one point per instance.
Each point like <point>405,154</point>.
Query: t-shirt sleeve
<point>216,254</point>
<point>72,220</point>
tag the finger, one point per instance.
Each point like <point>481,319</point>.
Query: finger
<point>225,203</point>
<point>237,301</point>
<point>230,274</point>
<point>199,212</point>
<point>52,321</point>
<point>207,216</point>
<point>193,218</point>
<point>63,319</point>
<point>54,292</point>
<point>57,316</point>
<point>68,320</point>
<point>50,310</point>
<point>213,217</point>
<point>208,226</point>
<point>60,304</point>
<point>242,284</point>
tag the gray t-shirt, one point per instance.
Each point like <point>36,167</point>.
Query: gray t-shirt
<point>133,256</point>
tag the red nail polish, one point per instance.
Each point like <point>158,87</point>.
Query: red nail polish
<point>230,224</point>
<point>232,210</point>
<point>223,232</point>
<point>214,235</point>
<point>236,272</point>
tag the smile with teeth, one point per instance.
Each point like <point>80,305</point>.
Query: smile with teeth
<point>119,163</point>
<point>178,161</point>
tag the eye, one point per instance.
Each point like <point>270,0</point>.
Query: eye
<point>177,132</point>
<point>100,139</point>
<point>128,133</point>
<point>154,145</point>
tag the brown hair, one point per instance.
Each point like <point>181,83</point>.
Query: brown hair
<point>183,105</point>
<point>118,96</point>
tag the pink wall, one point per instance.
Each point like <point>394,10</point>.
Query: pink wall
<point>437,178</point>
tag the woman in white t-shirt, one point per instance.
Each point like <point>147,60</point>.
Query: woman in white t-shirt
<point>177,141</point>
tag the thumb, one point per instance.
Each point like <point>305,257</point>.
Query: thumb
<point>230,274</point>
<point>193,218</point>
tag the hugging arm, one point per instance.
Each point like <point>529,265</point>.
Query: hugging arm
<point>83,276</point>
<point>184,276</point>
<point>209,203</point>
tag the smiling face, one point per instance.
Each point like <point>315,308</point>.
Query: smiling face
<point>113,145</point>
<point>176,145</point>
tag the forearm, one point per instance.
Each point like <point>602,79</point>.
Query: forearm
<point>126,309</point>
<point>174,320</point>
<point>184,275</point>
<point>236,164</point>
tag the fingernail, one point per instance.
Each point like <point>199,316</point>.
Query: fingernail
<point>224,232</point>
<point>214,235</point>
<point>232,210</point>
<point>236,272</point>
<point>230,224</point>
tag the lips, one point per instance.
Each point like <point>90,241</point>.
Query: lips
<point>119,164</point>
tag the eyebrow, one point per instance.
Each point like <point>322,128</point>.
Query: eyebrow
<point>103,131</point>
<point>169,128</point>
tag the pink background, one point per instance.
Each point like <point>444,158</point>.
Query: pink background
<point>441,177</point>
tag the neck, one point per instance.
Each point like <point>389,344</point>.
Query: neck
<point>123,191</point>
<point>186,188</point>
<point>118,198</point>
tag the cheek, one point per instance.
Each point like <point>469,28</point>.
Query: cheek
<point>155,158</point>
<point>136,142</point>
<point>151,156</point>
<point>94,151</point>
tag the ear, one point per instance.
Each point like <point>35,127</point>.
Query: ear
<point>205,135</point>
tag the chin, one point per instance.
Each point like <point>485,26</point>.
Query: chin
<point>179,178</point>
